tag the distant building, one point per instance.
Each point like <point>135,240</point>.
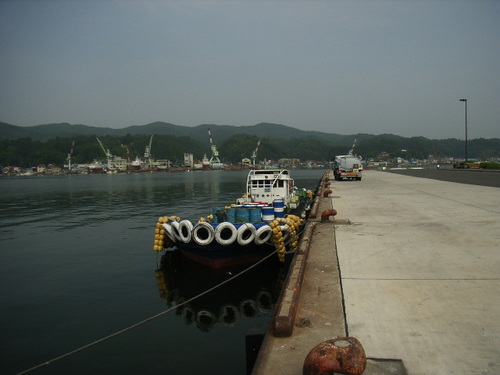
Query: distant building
<point>119,163</point>
<point>289,163</point>
<point>246,161</point>
<point>188,160</point>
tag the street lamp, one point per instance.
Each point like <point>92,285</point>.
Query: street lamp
<point>465,101</point>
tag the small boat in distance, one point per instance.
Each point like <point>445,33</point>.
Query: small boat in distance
<point>267,218</point>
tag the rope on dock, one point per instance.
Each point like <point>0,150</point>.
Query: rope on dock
<point>68,354</point>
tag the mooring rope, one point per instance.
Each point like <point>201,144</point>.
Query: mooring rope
<point>145,320</point>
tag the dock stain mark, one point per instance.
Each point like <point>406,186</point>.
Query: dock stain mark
<point>303,323</point>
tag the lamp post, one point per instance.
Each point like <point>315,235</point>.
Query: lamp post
<point>465,101</point>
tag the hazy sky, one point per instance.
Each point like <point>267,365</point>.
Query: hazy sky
<point>336,66</point>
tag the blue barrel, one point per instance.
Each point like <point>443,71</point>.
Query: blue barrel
<point>215,213</point>
<point>267,214</point>
<point>242,215</point>
<point>255,215</point>
<point>279,207</point>
<point>231,214</point>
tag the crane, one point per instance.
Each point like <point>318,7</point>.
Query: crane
<point>108,153</point>
<point>215,153</point>
<point>147,153</point>
<point>352,148</point>
<point>128,153</point>
<point>69,155</point>
<point>254,153</point>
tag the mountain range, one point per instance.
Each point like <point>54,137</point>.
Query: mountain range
<point>200,132</point>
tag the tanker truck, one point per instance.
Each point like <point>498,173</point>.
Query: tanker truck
<point>347,167</point>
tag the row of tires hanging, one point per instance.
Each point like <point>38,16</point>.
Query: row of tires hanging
<point>226,233</point>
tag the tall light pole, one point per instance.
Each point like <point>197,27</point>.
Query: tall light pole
<point>465,101</point>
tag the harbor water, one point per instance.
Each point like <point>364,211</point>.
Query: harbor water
<point>77,265</point>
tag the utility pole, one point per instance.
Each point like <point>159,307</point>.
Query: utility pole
<point>465,161</point>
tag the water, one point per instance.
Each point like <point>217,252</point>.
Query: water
<point>76,264</point>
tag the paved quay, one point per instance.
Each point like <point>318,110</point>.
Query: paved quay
<point>410,267</point>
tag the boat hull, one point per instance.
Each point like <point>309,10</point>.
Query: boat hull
<point>218,256</point>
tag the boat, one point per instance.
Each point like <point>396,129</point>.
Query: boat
<point>267,218</point>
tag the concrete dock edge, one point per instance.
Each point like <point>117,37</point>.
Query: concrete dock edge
<point>284,318</point>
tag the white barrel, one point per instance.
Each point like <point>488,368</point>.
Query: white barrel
<point>279,207</point>
<point>267,214</point>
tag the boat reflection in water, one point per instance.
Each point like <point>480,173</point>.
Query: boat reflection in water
<point>252,293</point>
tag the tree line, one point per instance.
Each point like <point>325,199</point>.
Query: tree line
<point>26,152</point>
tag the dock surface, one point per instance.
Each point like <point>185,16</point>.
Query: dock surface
<point>410,267</point>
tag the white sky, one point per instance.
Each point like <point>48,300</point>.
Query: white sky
<point>335,66</point>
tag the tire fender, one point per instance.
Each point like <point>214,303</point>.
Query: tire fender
<point>221,229</point>
<point>263,234</point>
<point>246,234</point>
<point>199,238</point>
<point>176,231</point>
<point>185,231</point>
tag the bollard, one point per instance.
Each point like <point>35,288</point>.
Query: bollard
<point>325,215</point>
<point>326,193</point>
<point>343,355</point>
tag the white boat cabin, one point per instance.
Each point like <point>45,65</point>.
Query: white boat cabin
<point>267,185</point>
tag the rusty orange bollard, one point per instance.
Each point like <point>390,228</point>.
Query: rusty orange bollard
<point>343,355</point>
<point>326,193</point>
<point>325,215</point>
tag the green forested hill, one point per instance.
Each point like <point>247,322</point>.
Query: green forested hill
<point>45,144</point>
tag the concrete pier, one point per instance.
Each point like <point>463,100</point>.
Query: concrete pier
<point>409,266</point>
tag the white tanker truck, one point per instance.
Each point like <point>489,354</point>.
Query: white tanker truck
<point>347,167</point>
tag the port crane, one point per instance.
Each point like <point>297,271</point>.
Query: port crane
<point>128,153</point>
<point>147,153</point>
<point>213,147</point>
<point>351,151</point>
<point>69,155</point>
<point>108,153</point>
<point>254,153</point>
